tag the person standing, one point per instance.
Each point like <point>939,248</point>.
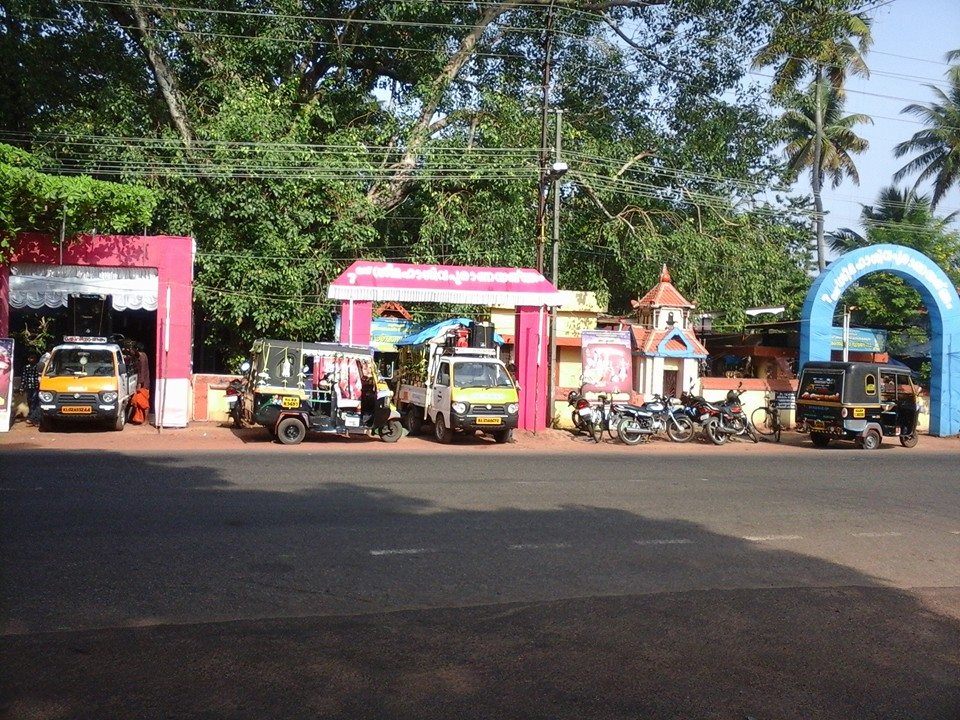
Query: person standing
<point>30,384</point>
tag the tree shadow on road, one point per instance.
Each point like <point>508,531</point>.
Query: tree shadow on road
<point>167,590</point>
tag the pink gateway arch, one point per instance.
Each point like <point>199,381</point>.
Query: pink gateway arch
<point>366,282</point>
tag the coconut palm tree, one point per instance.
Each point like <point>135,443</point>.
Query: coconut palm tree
<point>815,40</point>
<point>939,144</point>
<point>902,217</point>
<point>826,41</point>
<point>820,138</point>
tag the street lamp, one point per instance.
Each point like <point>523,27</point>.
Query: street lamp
<point>557,171</point>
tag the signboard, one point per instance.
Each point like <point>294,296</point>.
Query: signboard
<point>383,281</point>
<point>385,331</point>
<point>860,340</point>
<point>786,400</point>
<point>607,361</point>
<point>821,385</point>
<point>6,383</point>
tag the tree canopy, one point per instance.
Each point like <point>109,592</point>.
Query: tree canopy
<point>37,201</point>
<point>938,145</point>
<point>292,137</point>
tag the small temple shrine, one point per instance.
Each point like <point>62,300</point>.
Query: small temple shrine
<point>667,353</point>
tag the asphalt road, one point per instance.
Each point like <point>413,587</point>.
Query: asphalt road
<point>359,585</point>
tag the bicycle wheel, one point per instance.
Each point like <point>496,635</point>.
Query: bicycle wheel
<point>613,426</point>
<point>763,421</point>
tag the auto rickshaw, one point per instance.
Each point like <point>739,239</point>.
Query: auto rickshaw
<point>862,402</point>
<point>321,387</point>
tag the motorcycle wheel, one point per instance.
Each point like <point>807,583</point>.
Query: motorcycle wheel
<point>613,427</point>
<point>909,441</point>
<point>629,431</point>
<point>391,432</point>
<point>596,430</point>
<point>680,431</point>
<point>578,424</point>
<point>716,435</point>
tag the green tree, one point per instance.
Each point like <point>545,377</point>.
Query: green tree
<point>815,127</point>
<point>295,137</point>
<point>824,40</point>
<point>938,146</point>
<point>31,200</point>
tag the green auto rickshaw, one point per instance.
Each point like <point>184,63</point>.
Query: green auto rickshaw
<point>296,387</point>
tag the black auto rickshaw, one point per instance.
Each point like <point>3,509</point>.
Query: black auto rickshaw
<point>322,387</point>
<point>862,402</point>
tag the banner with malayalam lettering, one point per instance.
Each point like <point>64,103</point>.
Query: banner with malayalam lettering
<point>860,340</point>
<point>405,282</point>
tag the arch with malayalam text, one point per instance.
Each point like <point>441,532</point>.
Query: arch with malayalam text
<point>366,281</point>
<point>939,296</point>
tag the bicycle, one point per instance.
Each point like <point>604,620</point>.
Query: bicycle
<point>766,420</point>
<point>607,417</point>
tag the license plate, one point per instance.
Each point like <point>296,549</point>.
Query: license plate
<point>290,401</point>
<point>818,424</point>
<point>351,421</point>
<point>585,412</point>
<point>488,421</point>
<point>76,410</point>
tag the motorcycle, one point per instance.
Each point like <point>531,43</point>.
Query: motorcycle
<point>658,415</point>
<point>235,394</point>
<point>721,422</point>
<point>582,412</point>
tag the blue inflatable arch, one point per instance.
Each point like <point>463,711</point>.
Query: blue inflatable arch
<point>943,306</point>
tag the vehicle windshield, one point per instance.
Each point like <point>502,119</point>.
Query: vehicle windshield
<point>480,374</point>
<point>80,361</point>
<point>821,385</point>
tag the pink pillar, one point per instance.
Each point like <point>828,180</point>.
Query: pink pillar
<point>4,301</point>
<point>531,345</point>
<point>356,317</point>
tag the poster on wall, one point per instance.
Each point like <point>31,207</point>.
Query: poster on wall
<point>607,361</point>
<point>6,383</point>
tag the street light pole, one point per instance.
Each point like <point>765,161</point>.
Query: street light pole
<point>554,260</point>
<point>545,106</point>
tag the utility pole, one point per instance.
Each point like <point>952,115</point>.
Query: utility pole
<point>545,106</point>
<point>555,255</point>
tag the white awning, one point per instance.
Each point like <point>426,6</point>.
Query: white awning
<point>37,286</point>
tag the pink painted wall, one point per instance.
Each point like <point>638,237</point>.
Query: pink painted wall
<point>4,301</point>
<point>171,255</point>
<point>355,323</point>
<point>531,346</point>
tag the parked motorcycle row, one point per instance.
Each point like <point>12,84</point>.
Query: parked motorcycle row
<point>678,419</point>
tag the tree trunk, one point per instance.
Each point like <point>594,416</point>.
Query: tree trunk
<point>164,76</point>
<point>817,172</point>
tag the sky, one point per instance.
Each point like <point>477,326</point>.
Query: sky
<point>910,39</point>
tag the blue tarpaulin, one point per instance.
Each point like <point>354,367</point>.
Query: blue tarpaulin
<point>431,331</point>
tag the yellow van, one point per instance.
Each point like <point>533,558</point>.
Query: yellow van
<point>87,379</point>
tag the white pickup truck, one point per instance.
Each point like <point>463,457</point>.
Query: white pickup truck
<point>459,389</point>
